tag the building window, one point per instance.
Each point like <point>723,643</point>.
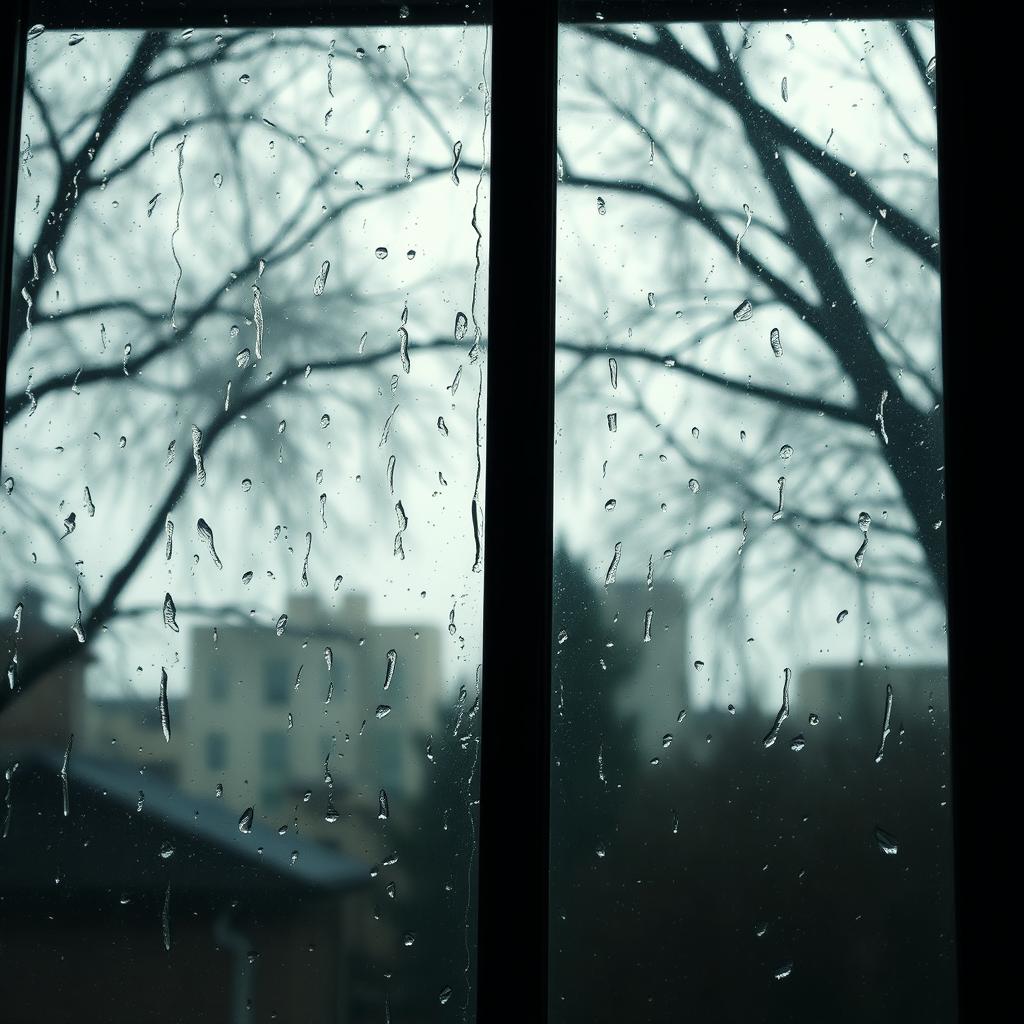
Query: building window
<point>216,751</point>
<point>277,681</point>
<point>219,686</point>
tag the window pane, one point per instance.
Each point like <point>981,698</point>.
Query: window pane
<point>750,771</point>
<point>241,453</point>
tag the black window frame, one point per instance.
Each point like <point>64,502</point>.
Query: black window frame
<point>513,840</point>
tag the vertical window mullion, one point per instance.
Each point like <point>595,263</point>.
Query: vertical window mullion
<point>513,841</point>
<point>13,48</point>
<point>969,736</point>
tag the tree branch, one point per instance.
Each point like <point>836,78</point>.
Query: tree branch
<point>842,413</point>
<point>855,187</point>
<point>66,193</point>
<point>105,609</point>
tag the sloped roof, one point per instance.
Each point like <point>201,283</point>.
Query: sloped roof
<point>107,842</point>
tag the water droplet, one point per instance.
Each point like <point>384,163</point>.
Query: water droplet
<point>887,842</point>
<point>445,994</point>
<point>77,626</point>
<point>244,79</point>
<point>776,342</point>
<point>886,724</point>
<point>613,371</point>
<point>64,784</point>
<point>784,971</point>
<point>864,522</point>
<point>389,669</point>
<point>648,618</point>
<point>783,714</point>
<point>613,422</point>
<point>257,316</point>
<point>785,90</point>
<point>165,919</point>
<point>383,710</point>
<point>321,279</point>
<point>694,486</point>
<point>456,157</point>
<point>383,811</point>
<point>842,615</point>
<point>245,821</point>
<point>743,312</point>
<point>786,452</point>
<point>165,711</point>
<point>380,252</point>
<point>798,744</point>
<point>169,613</point>
<point>609,577</point>
<point>282,622</point>
<point>35,32</point>
<point>777,514</point>
<point>206,536</point>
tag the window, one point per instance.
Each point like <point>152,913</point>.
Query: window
<point>276,682</point>
<point>664,697</point>
<point>219,687</point>
<point>216,751</point>
<point>274,765</point>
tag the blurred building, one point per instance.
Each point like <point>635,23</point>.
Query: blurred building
<point>850,705</point>
<point>47,711</point>
<point>150,898</point>
<point>657,677</point>
<point>126,728</point>
<point>278,712</point>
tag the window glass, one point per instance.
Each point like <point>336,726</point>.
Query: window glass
<point>750,717</point>
<point>241,454</point>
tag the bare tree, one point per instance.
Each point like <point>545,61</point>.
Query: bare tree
<point>243,157</point>
<point>196,265</point>
<point>787,209</point>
